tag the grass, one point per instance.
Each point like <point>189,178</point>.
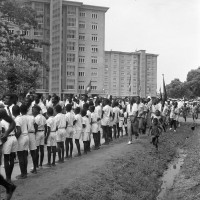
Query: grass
<point>135,176</point>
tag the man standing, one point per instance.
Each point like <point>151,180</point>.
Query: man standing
<point>10,188</point>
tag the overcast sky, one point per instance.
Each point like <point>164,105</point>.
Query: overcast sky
<point>170,28</point>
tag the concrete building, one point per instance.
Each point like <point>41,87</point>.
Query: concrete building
<point>130,74</point>
<point>76,33</point>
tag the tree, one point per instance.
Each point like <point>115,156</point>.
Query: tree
<point>17,52</point>
<point>175,89</point>
<point>193,80</point>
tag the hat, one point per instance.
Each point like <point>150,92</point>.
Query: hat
<point>148,97</point>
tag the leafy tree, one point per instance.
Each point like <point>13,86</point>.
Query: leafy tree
<point>17,52</point>
<point>175,89</point>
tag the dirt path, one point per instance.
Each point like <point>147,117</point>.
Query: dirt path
<point>49,181</point>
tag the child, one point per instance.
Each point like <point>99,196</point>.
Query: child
<point>85,131</point>
<point>88,115</point>
<point>94,126</point>
<point>125,121</point>
<point>32,141</point>
<point>61,125</point>
<point>40,129</point>
<point>155,131</point>
<point>22,138</point>
<point>70,130</point>
<point>50,137</point>
<point>121,120</point>
<point>77,129</point>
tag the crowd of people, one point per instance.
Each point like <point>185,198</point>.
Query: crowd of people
<point>35,122</point>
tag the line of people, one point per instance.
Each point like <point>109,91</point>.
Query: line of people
<point>57,123</point>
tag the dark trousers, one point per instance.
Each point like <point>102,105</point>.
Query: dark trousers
<point>106,133</point>
<point>9,164</point>
<point>23,161</point>
<point>68,142</point>
<point>173,123</point>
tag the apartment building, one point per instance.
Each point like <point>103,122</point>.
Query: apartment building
<point>76,33</point>
<point>130,73</point>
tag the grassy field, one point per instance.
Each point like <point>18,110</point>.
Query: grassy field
<point>135,175</point>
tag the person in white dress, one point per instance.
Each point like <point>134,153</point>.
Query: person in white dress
<point>61,125</point>
<point>85,131</point>
<point>78,129</point>
<point>94,126</point>
<point>98,110</point>
<point>50,137</point>
<point>70,117</point>
<point>40,128</point>
<point>22,138</point>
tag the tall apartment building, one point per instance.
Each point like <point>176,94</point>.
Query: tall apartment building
<point>76,33</point>
<point>137,69</point>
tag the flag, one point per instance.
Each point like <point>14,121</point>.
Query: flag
<point>164,91</point>
<point>160,94</point>
<point>129,86</point>
<point>88,88</point>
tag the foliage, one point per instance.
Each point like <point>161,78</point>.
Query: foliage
<point>17,52</point>
<point>189,89</point>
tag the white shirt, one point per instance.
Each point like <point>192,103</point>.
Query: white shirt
<point>85,121</point>
<point>70,117</point>
<point>40,120</point>
<point>60,120</point>
<point>98,110</point>
<point>22,122</point>
<point>116,111</point>
<point>51,123</point>
<point>133,110</point>
<point>31,122</point>
<point>78,124</point>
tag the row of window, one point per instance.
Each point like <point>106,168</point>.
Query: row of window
<point>82,87</point>
<point>93,15</point>
<point>71,58</point>
<point>72,73</point>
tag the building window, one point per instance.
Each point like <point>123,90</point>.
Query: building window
<point>81,60</point>
<point>40,19</point>
<point>71,46</point>
<point>38,33</point>
<point>82,25</point>
<point>94,49</point>
<point>94,74</point>
<point>71,34</point>
<point>70,73</point>
<point>81,49</point>
<point>94,27</point>
<point>39,7</point>
<point>81,73</point>
<point>94,38</point>
<point>70,84</point>
<point>81,87</point>
<point>94,60</point>
<point>82,37</point>
<point>70,57</point>
<point>71,10</point>
<point>94,16</point>
<point>93,87</point>
<point>82,14</point>
<point>71,22</point>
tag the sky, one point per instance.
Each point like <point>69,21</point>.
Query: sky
<point>169,28</point>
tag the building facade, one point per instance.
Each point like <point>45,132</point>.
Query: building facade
<point>76,33</point>
<point>130,74</point>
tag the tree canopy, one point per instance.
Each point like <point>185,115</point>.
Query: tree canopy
<point>189,89</point>
<point>20,60</point>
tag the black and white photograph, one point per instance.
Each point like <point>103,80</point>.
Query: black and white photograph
<point>99,100</point>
